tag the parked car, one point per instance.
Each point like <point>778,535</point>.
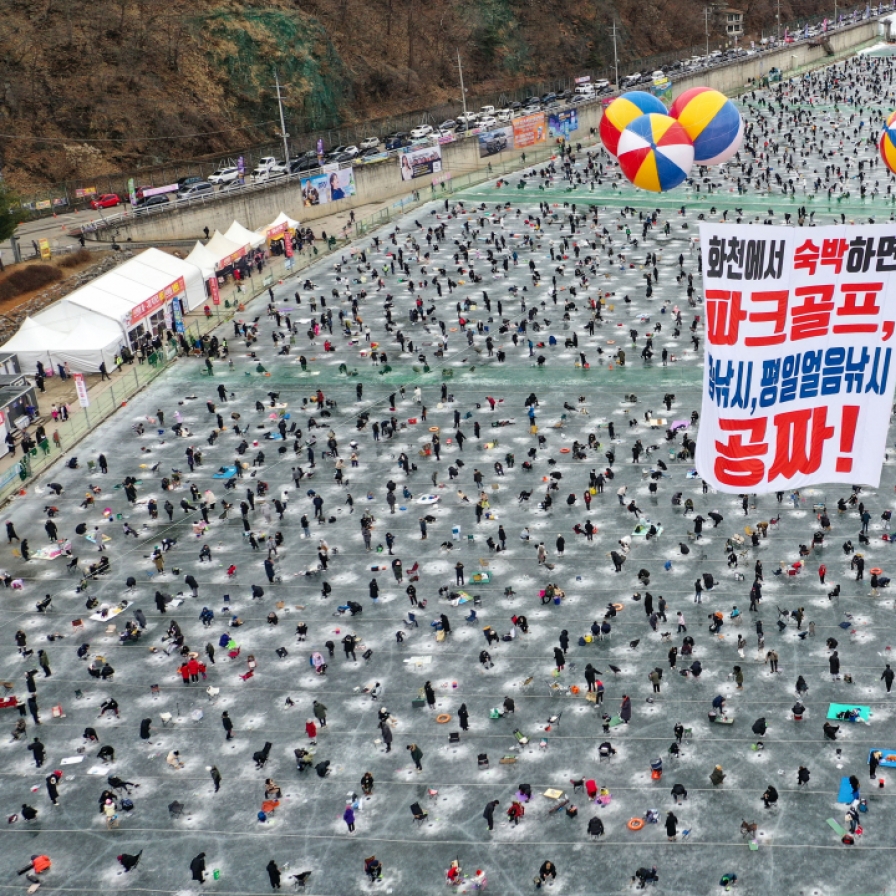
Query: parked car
<point>369,143</point>
<point>203,188</point>
<point>449,124</point>
<point>487,123</point>
<point>505,115</point>
<point>143,205</point>
<point>423,130</point>
<point>224,176</point>
<point>187,181</point>
<point>305,163</point>
<point>488,111</point>
<point>107,200</point>
<point>397,141</point>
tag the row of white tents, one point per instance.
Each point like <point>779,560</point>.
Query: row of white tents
<point>89,326</point>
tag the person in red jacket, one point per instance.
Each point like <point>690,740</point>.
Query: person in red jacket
<point>822,572</point>
<point>515,812</point>
<point>311,729</point>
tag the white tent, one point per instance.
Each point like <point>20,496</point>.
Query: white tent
<point>222,249</point>
<point>67,333</point>
<point>193,274</point>
<point>203,259</point>
<point>240,235</point>
<point>281,223</point>
<point>88,326</point>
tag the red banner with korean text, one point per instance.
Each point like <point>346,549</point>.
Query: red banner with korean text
<point>213,290</point>
<point>799,373</point>
<point>153,303</point>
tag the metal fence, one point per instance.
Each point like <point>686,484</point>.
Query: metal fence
<point>134,378</point>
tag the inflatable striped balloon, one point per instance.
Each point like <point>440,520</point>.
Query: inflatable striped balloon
<point>712,122</point>
<point>623,110</point>
<point>887,143</point>
<point>655,153</point>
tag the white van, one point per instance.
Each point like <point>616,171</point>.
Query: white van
<point>585,90</point>
<point>487,111</point>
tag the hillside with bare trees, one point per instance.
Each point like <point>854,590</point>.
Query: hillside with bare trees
<point>88,88</point>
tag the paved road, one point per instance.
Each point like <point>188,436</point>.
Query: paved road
<point>55,229</point>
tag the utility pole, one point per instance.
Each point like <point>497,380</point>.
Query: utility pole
<point>463,93</point>
<point>706,28</point>
<point>615,56</point>
<point>282,125</point>
<point>778,19</point>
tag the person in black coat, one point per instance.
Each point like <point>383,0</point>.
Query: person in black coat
<point>834,665</point>
<point>559,659</point>
<point>590,676</point>
<point>197,868</point>
<point>52,790</point>
<point>37,748</point>
<point>128,862</point>
<point>144,729</point>
<point>596,827</point>
<point>671,825</point>
<point>430,695</point>
<point>463,716</point>
<point>489,813</point>
<point>274,874</point>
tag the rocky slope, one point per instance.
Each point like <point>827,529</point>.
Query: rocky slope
<point>88,88</point>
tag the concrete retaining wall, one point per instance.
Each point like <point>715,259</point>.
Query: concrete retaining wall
<point>374,183</point>
<point>733,78</point>
<point>381,182</point>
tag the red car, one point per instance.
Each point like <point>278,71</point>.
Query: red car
<point>107,200</point>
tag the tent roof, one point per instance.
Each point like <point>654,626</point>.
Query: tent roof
<point>281,219</point>
<point>176,267</point>
<point>242,236</point>
<point>203,259</point>
<point>220,247</point>
<point>112,302</point>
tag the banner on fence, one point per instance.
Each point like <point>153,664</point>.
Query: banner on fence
<point>81,389</point>
<point>799,372</point>
<point>562,124</point>
<point>528,130</point>
<point>420,162</point>
<point>332,184</point>
<point>492,142</point>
